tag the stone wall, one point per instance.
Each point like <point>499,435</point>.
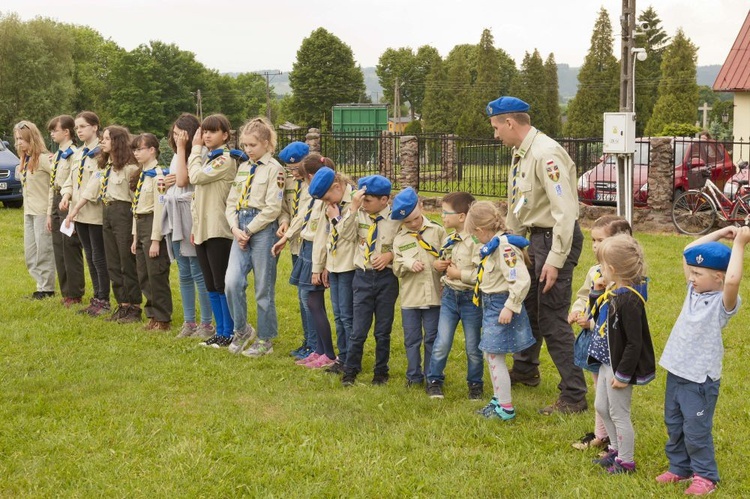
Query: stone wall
<point>387,154</point>
<point>313,139</point>
<point>409,155</point>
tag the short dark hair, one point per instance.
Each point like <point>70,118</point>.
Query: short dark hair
<point>217,123</point>
<point>146,140</point>
<point>66,122</point>
<point>613,224</point>
<point>459,201</point>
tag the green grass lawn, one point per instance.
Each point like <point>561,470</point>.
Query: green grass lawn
<point>90,409</point>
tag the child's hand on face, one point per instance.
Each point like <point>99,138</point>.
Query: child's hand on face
<point>181,138</point>
<point>357,198</point>
<point>332,210</point>
<point>198,137</point>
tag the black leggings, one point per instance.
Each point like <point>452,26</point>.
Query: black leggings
<point>93,245</point>
<point>317,304</point>
<point>213,256</point>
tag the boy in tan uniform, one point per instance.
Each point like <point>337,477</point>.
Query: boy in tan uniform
<point>415,249</point>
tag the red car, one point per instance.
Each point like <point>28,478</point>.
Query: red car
<point>598,185</point>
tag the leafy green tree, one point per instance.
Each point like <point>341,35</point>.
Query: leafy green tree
<point>598,84</point>
<point>648,73</point>
<point>252,89</point>
<point>554,125</point>
<point>136,96</point>
<point>678,89</point>
<point>324,74</point>
<point>473,121</point>
<point>437,114</point>
<point>531,86</point>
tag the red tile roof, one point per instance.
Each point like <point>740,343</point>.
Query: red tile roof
<point>735,73</point>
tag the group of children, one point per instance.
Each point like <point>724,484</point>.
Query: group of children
<point>222,213</point>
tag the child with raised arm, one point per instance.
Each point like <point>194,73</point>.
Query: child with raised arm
<point>458,262</point>
<point>693,355</point>
<point>502,283</point>
<point>415,249</point>
<point>623,347</point>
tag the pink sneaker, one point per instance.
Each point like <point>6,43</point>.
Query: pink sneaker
<point>313,356</point>
<point>700,486</point>
<point>669,477</point>
<point>320,362</point>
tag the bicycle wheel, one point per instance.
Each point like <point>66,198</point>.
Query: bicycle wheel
<point>693,213</point>
<point>741,211</point>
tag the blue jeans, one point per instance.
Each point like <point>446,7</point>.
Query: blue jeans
<point>255,257</point>
<point>310,337</point>
<point>191,277</point>
<point>342,299</point>
<point>689,416</point>
<point>413,321</point>
<point>375,294</point>
<point>457,306</point>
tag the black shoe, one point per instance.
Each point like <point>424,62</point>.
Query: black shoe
<point>476,391</point>
<point>337,368</point>
<point>380,379</point>
<point>119,313</point>
<point>41,295</point>
<point>529,379</point>
<point>348,379</point>
<point>435,390</point>
<point>410,383</point>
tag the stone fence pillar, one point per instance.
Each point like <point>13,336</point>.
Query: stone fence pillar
<point>448,147</point>
<point>387,155</point>
<point>661,175</point>
<point>409,154</point>
<point>313,139</point>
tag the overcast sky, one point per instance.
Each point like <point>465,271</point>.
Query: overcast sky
<point>254,35</point>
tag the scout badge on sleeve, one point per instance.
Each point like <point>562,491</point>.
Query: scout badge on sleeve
<point>553,172</point>
<point>281,179</point>
<point>510,257</point>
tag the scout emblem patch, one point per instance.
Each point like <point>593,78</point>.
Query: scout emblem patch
<point>281,180</point>
<point>553,172</point>
<point>510,257</point>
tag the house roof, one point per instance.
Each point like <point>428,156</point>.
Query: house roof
<point>735,73</point>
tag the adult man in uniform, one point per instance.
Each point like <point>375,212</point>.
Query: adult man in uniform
<point>542,201</point>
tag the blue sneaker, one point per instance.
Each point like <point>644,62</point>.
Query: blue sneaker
<point>489,409</point>
<point>503,413</point>
<point>303,353</point>
<point>608,459</point>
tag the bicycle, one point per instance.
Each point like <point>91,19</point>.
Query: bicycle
<point>694,212</point>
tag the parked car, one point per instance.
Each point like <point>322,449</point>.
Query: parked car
<point>738,182</point>
<point>599,185</point>
<point>10,188</point>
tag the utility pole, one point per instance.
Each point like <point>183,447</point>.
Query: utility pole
<point>627,76</point>
<point>396,105</point>
<point>268,74</point>
<point>199,105</point>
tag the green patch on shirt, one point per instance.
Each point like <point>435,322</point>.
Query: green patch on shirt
<point>407,246</point>
<point>364,225</point>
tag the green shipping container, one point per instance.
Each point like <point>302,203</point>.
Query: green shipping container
<point>359,117</point>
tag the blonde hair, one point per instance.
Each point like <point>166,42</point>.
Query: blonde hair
<point>32,136</point>
<point>484,215</point>
<point>343,179</point>
<point>625,256</point>
<point>261,128</point>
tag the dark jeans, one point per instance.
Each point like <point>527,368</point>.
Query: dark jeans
<point>548,314</point>
<point>689,415</point>
<point>375,294</point>
<point>93,245</point>
<point>153,273</point>
<point>117,229</point>
<point>213,255</point>
<point>342,300</point>
<point>414,320</point>
<point>68,255</point>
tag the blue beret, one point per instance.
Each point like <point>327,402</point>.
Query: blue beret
<point>294,152</point>
<point>713,255</point>
<point>321,182</point>
<point>376,185</point>
<point>506,105</point>
<point>404,203</point>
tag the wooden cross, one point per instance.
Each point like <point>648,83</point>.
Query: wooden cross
<point>705,108</point>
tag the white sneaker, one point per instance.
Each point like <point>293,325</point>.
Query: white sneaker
<point>259,349</point>
<point>241,339</point>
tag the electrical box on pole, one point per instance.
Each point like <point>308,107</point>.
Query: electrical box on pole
<point>619,133</point>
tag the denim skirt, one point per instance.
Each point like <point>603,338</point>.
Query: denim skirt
<point>302,270</point>
<point>581,351</point>
<point>503,338</point>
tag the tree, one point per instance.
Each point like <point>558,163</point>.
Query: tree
<point>436,110</point>
<point>598,84</point>
<point>648,73</point>
<point>554,126</point>
<point>324,74</point>
<point>473,121</point>
<point>531,86</point>
<point>136,97</point>
<point>678,89</point>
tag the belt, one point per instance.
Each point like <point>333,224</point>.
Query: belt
<point>108,202</point>
<point>143,215</point>
<point>540,230</point>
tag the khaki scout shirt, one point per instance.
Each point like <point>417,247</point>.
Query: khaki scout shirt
<point>118,185</point>
<point>62,170</point>
<point>36,186</point>
<point>547,195</point>
<point>506,272</point>
<point>266,194</point>
<point>322,256</point>
<point>151,200</point>
<point>287,214</point>
<point>418,289</point>
<point>91,212</point>
<point>387,230</point>
<point>465,256</point>
<point>582,296</point>
<point>212,181</point>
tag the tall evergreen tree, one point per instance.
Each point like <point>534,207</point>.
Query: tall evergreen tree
<point>598,84</point>
<point>530,85</point>
<point>648,73</point>
<point>678,88</point>
<point>554,126</point>
<point>473,122</point>
<point>436,110</point>
<point>324,74</point>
